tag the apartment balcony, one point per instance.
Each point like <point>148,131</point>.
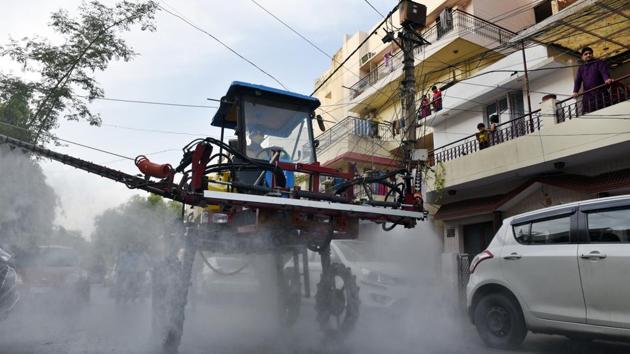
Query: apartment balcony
<point>586,135</point>
<point>365,141</point>
<point>466,33</point>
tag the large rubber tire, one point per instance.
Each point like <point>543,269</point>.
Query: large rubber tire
<point>500,321</point>
<point>337,309</point>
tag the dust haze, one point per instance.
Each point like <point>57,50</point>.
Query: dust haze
<point>216,322</point>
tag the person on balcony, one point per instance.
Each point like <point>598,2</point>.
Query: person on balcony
<point>591,74</point>
<point>425,107</point>
<point>483,136</point>
<point>388,61</point>
<point>437,99</point>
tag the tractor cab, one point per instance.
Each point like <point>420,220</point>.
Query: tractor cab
<point>268,121</point>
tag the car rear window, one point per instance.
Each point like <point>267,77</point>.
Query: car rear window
<point>609,226</point>
<point>544,232</point>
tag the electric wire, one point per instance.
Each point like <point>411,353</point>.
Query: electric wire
<point>311,43</point>
<point>355,50</point>
<point>374,8</point>
<point>147,154</point>
<point>147,102</point>
<point>292,29</point>
<point>158,131</point>
<point>70,142</point>
<point>191,24</point>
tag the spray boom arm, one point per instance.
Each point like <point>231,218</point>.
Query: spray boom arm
<point>190,190</point>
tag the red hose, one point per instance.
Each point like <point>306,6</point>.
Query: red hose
<point>152,169</point>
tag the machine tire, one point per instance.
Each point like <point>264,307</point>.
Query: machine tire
<point>499,321</point>
<point>337,309</point>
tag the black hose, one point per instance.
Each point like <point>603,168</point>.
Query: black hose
<point>366,180</point>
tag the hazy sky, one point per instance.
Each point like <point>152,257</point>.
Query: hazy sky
<point>182,65</point>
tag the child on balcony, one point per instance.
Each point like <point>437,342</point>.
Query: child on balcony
<point>483,136</point>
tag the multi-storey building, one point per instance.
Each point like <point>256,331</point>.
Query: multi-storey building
<point>548,148</point>
<point>513,63</point>
<point>361,102</point>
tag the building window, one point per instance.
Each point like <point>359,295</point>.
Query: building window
<point>542,11</point>
<point>505,108</point>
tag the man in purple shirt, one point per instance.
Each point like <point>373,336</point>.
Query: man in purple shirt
<point>591,74</point>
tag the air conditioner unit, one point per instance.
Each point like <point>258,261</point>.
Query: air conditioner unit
<point>366,57</point>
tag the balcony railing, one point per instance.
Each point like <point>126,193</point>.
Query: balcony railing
<point>354,126</point>
<point>594,99</point>
<point>510,130</point>
<point>462,24</point>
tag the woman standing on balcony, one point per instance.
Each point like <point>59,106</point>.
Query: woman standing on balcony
<point>437,99</point>
<point>425,107</point>
<point>591,74</point>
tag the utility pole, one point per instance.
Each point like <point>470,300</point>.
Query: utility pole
<point>412,17</point>
<point>408,92</point>
<point>529,100</point>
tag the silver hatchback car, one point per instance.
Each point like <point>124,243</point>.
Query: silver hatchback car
<point>559,270</point>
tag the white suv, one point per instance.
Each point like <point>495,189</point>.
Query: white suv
<point>562,270</point>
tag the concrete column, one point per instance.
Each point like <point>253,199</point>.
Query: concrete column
<point>548,111</point>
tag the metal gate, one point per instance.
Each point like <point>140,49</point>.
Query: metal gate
<point>463,273</point>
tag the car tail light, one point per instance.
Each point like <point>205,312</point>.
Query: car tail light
<point>478,259</point>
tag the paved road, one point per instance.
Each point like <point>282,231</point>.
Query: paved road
<point>249,327</point>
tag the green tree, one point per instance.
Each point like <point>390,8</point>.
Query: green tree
<point>14,109</point>
<point>65,82</point>
<point>27,203</point>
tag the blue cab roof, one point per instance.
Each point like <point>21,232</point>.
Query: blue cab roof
<point>224,115</point>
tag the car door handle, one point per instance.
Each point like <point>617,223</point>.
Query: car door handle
<point>512,256</point>
<point>595,255</point>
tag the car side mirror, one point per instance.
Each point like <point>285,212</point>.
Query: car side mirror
<point>320,123</point>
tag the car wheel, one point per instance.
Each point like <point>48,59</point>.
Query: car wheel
<point>500,321</point>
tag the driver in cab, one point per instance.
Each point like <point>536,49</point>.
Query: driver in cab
<point>254,148</point>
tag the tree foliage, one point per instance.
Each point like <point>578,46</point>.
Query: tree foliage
<point>140,224</point>
<point>14,109</point>
<point>65,72</point>
<point>27,203</point>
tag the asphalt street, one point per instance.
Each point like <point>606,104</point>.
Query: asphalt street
<point>239,325</point>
